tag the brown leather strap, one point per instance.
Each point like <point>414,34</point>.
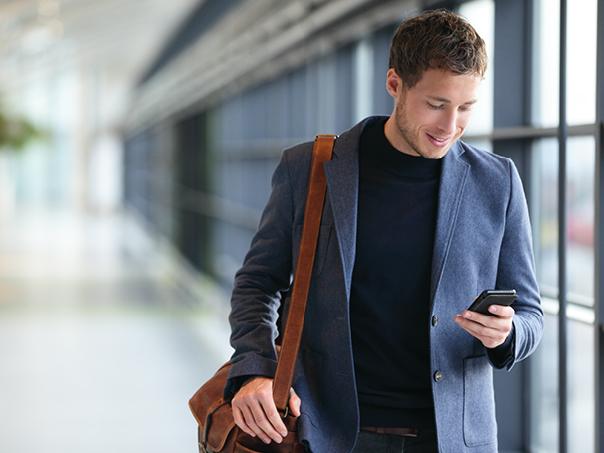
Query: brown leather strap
<point>405,432</point>
<point>313,210</point>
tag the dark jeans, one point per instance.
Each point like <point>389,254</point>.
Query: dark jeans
<point>425,442</point>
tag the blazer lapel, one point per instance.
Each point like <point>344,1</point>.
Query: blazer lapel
<point>452,181</point>
<point>342,173</point>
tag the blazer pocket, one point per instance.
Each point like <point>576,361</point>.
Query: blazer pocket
<point>325,233</point>
<point>479,425</point>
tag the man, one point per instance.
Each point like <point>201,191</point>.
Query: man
<point>416,223</point>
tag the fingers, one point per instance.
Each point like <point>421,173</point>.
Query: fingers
<point>294,403</point>
<point>478,330</point>
<point>501,321</point>
<point>240,421</point>
<point>490,330</point>
<point>264,423</point>
<point>256,422</point>
<point>502,311</point>
<point>275,422</point>
<point>255,413</point>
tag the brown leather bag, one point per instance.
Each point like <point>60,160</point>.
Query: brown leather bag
<point>217,431</point>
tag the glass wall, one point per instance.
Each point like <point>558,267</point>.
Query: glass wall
<point>544,209</point>
<point>546,63</point>
<point>579,211</point>
<point>581,60</point>
<point>481,14</point>
<point>581,387</point>
<point>544,390</point>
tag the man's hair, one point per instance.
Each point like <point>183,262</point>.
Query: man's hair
<point>437,39</point>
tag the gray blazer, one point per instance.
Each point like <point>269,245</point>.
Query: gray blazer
<point>482,241</point>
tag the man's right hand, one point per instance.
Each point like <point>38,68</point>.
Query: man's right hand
<point>255,412</point>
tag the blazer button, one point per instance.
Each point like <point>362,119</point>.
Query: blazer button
<point>438,376</point>
<point>434,320</point>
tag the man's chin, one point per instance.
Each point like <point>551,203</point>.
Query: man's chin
<point>433,152</point>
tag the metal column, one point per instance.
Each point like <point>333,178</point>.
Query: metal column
<point>562,214</point>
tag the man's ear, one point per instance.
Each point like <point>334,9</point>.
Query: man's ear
<point>393,82</point>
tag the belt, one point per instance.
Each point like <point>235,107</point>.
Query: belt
<point>405,432</point>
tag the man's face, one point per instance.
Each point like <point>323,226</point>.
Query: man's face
<point>429,117</point>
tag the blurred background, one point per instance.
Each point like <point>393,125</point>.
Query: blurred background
<point>137,141</point>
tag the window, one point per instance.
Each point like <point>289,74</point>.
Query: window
<point>546,63</point>
<point>580,211</point>
<point>481,14</point>
<point>544,218</point>
<point>581,389</point>
<point>544,390</point>
<point>581,61</point>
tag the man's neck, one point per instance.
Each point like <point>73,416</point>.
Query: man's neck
<point>396,140</point>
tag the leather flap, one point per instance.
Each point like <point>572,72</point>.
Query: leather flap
<point>209,396</point>
<point>211,411</point>
<point>221,423</point>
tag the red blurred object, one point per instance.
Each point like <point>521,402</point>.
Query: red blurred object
<point>581,231</point>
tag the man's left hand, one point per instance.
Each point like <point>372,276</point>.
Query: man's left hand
<point>490,330</point>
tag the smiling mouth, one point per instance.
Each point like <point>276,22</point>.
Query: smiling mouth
<point>438,141</point>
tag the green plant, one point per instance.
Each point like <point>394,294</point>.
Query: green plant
<point>16,132</point>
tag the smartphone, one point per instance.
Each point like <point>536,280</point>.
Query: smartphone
<point>492,297</point>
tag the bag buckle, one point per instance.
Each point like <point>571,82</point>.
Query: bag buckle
<point>285,412</point>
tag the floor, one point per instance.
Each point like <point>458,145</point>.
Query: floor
<point>103,337</point>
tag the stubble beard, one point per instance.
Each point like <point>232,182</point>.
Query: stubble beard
<point>404,130</point>
<point>407,134</point>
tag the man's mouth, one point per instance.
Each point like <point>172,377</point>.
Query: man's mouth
<point>438,141</point>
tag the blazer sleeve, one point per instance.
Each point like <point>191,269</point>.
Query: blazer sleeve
<point>516,270</point>
<point>266,271</point>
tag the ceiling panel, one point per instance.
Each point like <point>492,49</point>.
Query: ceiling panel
<point>46,35</point>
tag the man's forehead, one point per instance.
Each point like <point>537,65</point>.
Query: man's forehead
<point>447,86</point>
<point>438,75</point>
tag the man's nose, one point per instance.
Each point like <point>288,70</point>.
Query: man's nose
<point>448,122</point>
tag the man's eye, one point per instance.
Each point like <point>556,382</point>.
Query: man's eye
<point>435,107</point>
<point>465,108</point>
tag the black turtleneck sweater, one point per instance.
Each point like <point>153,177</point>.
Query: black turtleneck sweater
<point>390,297</point>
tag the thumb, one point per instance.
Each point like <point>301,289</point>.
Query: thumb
<point>294,403</point>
